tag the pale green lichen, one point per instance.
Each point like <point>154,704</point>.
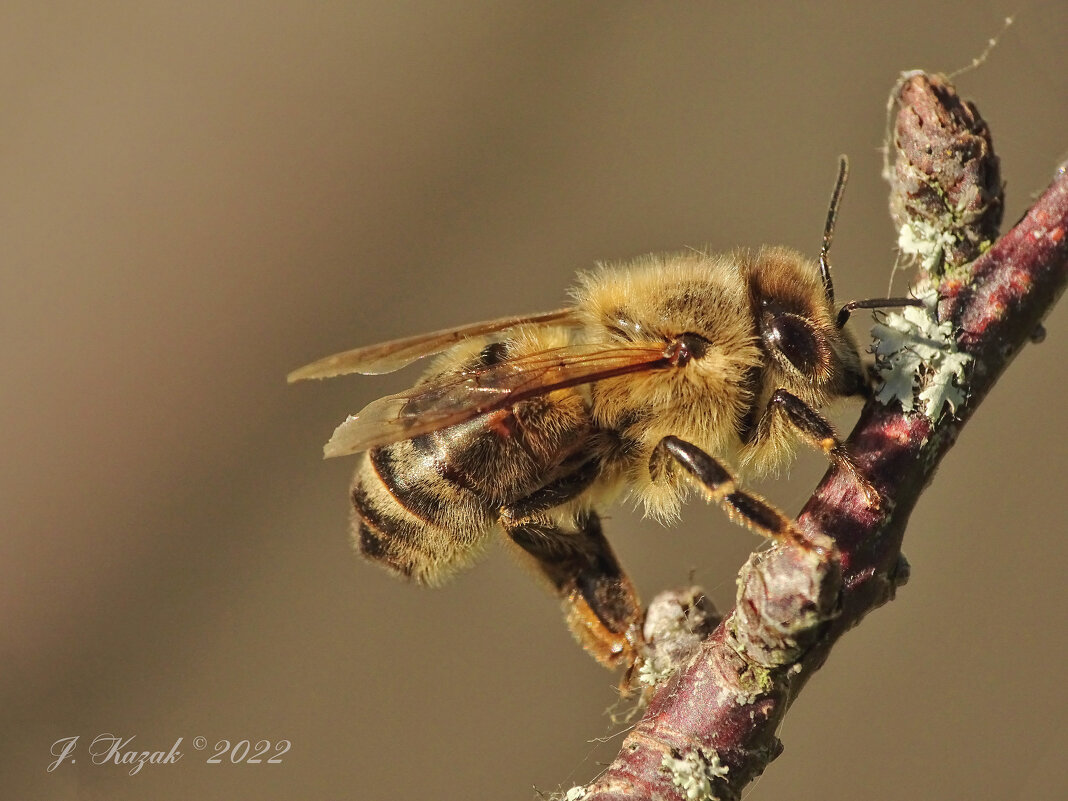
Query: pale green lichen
<point>940,242</point>
<point>754,682</point>
<point>694,772</point>
<point>655,670</point>
<point>914,351</point>
<point>676,623</point>
<point>928,243</point>
<point>659,663</point>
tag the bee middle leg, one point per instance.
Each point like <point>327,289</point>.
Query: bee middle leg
<point>739,504</point>
<point>600,604</point>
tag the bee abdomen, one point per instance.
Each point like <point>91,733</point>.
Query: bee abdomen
<point>411,520</point>
<point>371,529</point>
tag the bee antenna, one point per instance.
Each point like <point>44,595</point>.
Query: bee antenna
<point>873,303</point>
<point>828,228</point>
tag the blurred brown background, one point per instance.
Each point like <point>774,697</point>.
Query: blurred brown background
<point>198,197</point>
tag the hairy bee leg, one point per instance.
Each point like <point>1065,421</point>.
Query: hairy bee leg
<point>820,434</point>
<point>719,483</point>
<point>600,603</point>
<point>553,494</point>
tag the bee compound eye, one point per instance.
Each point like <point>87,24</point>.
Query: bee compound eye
<point>793,337</point>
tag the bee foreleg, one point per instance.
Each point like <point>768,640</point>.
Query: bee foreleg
<point>814,429</point>
<point>600,604</point>
<point>719,483</point>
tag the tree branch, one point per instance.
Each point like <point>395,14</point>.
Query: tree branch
<point>709,729</point>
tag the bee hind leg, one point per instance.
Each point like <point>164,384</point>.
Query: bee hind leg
<point>600,604</point>
<point>556,493</point>
<point>720,485</point>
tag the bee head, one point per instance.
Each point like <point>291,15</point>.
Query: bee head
<point>806,348</point>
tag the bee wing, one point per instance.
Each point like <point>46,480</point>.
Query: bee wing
<point>386,357</point>
<point>456,398</point>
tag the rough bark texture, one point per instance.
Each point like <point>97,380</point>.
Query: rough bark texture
<point>945,177</point>
<point>709,730</point>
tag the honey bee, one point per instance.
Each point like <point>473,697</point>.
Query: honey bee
<point>657,371</point>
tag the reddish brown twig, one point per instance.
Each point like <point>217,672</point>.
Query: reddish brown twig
<point>710,729</point>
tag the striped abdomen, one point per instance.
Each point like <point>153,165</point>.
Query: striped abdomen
<point>424,507</point>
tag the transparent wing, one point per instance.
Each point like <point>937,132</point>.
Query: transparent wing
<point>386,357</point>
<point>458,397</point>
